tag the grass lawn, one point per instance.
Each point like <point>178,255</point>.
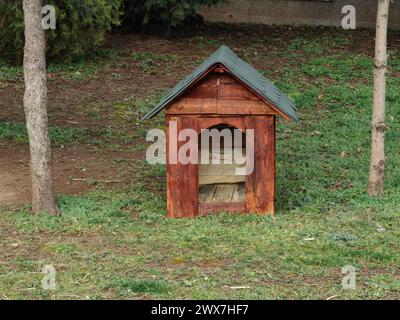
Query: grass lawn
<point>117,242</point>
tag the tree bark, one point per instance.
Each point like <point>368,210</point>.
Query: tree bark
<point>35,105</point>
<point>377,167</point>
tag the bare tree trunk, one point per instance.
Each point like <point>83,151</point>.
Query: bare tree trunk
<point>377,169</point>
<point>35,104</point>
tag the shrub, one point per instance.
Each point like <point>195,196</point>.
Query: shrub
<point>168,13</point>
<point>81,27</point>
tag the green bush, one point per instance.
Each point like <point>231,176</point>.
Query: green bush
<point>168,13</point>
<point>81,27</point>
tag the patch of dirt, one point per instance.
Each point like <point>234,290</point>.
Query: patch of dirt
<point>77,169</point>
<point>122,80</point>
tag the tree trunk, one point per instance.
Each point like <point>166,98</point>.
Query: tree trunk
<point>35,104</point>
<point>377,168</point>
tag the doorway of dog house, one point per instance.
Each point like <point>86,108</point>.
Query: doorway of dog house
<point>222,165</point>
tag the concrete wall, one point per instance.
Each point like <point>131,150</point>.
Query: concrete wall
<point>298,12</point>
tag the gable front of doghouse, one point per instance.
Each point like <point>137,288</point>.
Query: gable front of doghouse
<point>219,99</point>
<point>218,92</point>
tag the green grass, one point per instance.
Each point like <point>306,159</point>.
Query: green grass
<point>119,244</point>
<point>75,71</point>
<point>9,73</point>
<point>87,68</point>
<point>150,62</point>
<point>128,286</point>
<point>17,132</point>
<point>101,249</point>
<point>132,110</point>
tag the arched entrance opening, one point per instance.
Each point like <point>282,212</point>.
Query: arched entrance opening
<point>222,154</point>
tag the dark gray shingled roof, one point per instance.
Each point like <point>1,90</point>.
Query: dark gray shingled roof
<point>241,70</point>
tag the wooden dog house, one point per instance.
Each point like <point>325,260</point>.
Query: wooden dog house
<point>224,92</point>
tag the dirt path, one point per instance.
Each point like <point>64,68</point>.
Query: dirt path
<point>77,170</point>
<point>113,81</point>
